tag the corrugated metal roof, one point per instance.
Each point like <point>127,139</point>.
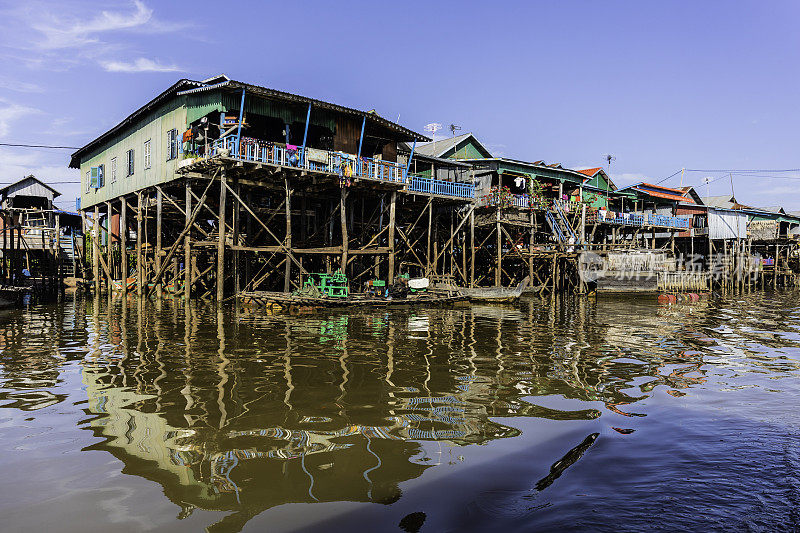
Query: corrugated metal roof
<point>439,148</point>
<point>33,179</point>
<point>590,171</point>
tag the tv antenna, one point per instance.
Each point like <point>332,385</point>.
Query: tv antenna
<point>609,158</point>
<point>454,128</point>
<point>432,128</point>
<point>707,180</point>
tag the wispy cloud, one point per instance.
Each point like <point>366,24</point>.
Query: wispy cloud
<point>59,32</point>
<point>139,65</point>
<point>65,35</point>
<point>11,112</point>
<point>20,86</point>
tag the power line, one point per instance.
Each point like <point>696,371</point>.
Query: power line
<point>48,183</point>
<point>742,170</point>
<point>16,145</point>
<point>668,177</point>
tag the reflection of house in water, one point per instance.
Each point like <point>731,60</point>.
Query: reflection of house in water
<point>346,407</point>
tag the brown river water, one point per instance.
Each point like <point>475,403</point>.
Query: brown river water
<point>610,415</point>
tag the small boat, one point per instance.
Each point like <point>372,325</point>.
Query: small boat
<point>494,294</point>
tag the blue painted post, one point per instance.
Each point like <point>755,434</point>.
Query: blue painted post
<point>360,142</point>
<point>241,117</point>
<point>410,157</point>
<point>305,133</point>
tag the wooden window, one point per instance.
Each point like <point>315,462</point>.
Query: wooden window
<point>96,177</point>
<point>173,144</point>
<point>88,180</point>
<point>147,154</point>
<point>129,163</point>
<point>113,169</point>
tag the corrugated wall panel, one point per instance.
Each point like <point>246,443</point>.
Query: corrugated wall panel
<point>726,225</point>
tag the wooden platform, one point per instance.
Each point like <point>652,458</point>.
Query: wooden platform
<point>264,298</point>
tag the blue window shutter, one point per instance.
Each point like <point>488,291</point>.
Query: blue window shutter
<point>94,172</point>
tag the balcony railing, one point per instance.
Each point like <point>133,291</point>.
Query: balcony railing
<point>640,219</point>
<point>445,188</point>
<point>345,165</point>
<point>248,149</point>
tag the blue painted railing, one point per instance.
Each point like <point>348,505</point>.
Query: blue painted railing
<point>669,221</point>
<point>641,219</point>
<point>445,188</point>
<point>346,165</point>
<point>310,159</point>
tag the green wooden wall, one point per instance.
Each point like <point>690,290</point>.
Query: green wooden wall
<point>154,127</point>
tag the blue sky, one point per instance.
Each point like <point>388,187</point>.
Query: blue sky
<point>661,86</point>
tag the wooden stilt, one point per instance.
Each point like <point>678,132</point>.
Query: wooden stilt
<point>392,221</point>
<point>237,216</point>
<point>498,270</point>
<point>287,272</point>
<point>343,220</point>
<point>223,190</point>
<point>109,248</point>
<point>187,245</point>
<point>96,250</point>
<point>472,248</point>
<point>159,207</point>
<point>429,235</point>
<point>139,243</point>
<point>123,245</point>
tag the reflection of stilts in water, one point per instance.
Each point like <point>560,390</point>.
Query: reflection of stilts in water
<point>287,370</point>
<point>158,356</point>
<point>345,376</point>
<point>221,369</point>
<point>500,364</point>
<point>186,391</point>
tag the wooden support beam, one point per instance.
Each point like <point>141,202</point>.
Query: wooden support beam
<point>123,244</point>
<point>139,236</point>
<point>109,248</point>
<point>237,223</point>
<point>96,249</point>
<point>159,196</point>
<point>472,248</point>
<point>287,274</point>
<point>343,220</point>
<point>453,233</point>
<point>392,219</point>
<point>223,189</point>
<point>186,230</point>
<point>428,234</point>
<point>186,215</point>
<point>187,245</point>
<point>269,232</point>
<point>499,255</point>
